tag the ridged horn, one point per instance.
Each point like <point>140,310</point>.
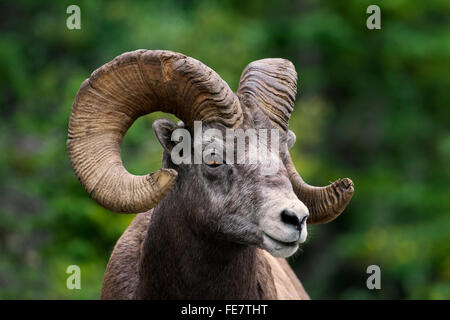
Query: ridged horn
<point>132,85</point>
<point>271,84</point>
<point>324,203</point>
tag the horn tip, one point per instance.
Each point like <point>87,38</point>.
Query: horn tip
<point>346,185</point>
<point>165,178</point>
<point>170,173</point>
<point>345,189</point>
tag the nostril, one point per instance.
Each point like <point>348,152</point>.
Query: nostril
<point>289,217</point>
<point>304,219</point>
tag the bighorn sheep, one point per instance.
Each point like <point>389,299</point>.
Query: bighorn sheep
<point>206,231</point>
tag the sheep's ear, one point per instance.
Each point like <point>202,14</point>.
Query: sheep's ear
<point>163,129</point>
<point>290,139</point>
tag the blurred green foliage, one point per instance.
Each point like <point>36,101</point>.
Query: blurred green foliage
<point>372,105</point>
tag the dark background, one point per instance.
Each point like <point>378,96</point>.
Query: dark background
<point>372,105</point>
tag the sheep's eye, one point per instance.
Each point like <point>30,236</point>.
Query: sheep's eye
<point>214,164</point>
<point>213,160</point>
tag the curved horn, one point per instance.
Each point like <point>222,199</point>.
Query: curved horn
<point>132,85</point>
<point>271,84</point>
<point>324,203</point>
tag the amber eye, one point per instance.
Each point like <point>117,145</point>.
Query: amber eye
<point>213,160</point>
<point>213,164</point>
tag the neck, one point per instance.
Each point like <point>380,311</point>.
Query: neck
<point>177,262</point>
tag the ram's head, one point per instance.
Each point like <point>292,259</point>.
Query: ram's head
<point>234,201</point>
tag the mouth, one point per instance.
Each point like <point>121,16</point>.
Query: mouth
<point>279,248</point>
<point>280,243</point>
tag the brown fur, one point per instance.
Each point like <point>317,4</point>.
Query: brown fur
<point>272,277</point>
